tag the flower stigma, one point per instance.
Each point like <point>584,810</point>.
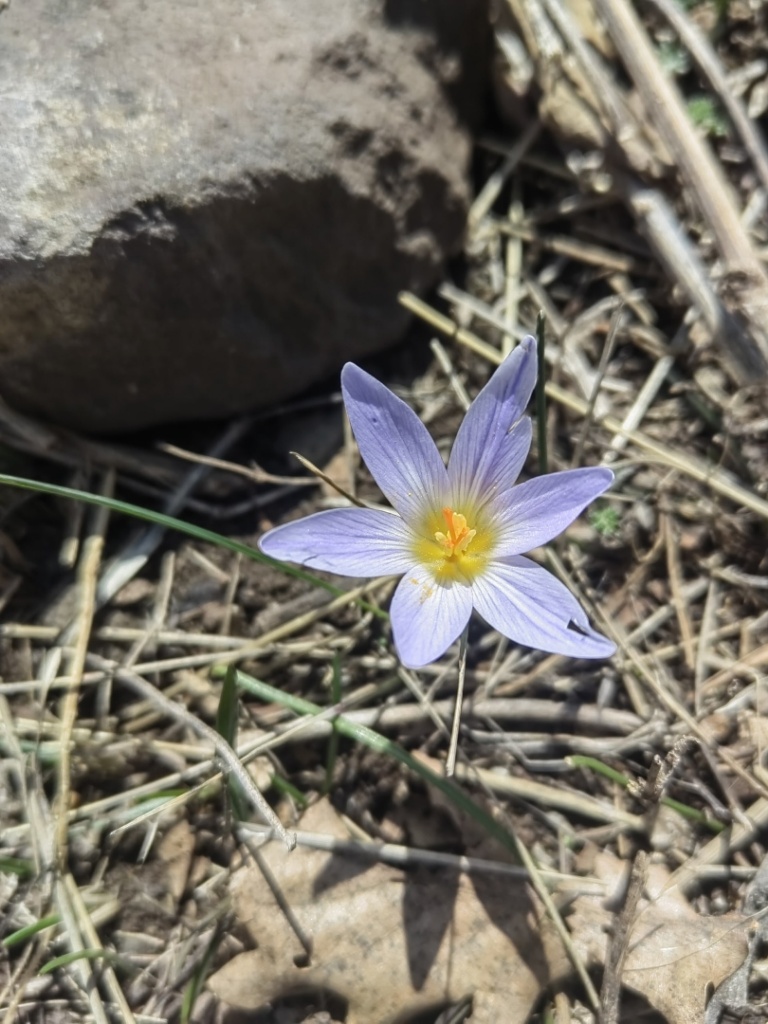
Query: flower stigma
<point>454,545</point>
<point>459,535</point>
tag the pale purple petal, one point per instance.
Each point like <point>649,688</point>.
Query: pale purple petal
<point>427,616</point>
<point>538,510</point>
<point>347,541</point>
<point>524,602</point>
<point>510,459</point>
<point>483,433</point>
<point>395,445</point>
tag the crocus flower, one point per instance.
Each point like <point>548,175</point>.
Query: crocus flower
<point>455,534</point>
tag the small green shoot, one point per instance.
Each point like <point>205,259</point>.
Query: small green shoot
<point>674,58</point>
<point>706,114</point>
<point>606,520</point>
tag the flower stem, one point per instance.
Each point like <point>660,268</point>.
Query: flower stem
<point>541,397</point>
<point>450,764</point>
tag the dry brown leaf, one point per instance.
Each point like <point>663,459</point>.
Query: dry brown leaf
<point>676,957</point>
<point>175,852</point>
<point>391,942</point>
<point>385,940</point>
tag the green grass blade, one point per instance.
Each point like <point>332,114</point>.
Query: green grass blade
<point>81,954</point>
<point>180,526</point>
<point>16,866</point>
<point>380,744</point>
<point>227,711</point>
<point>684,810</point>
<point>193,989</point>
<point>282,785</point>
<point>30,930</point>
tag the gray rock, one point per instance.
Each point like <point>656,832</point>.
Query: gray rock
<point>205,205</point>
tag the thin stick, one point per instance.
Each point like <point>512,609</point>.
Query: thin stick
<point>604,358</point>
<point>718,480</point>
<point>700,48</point>
<point>450,764</point>
<point>326,479</point>
<point>699,170</point>
<point>448,369</point>
<point>228,757</point>
<point>87,579</point>
<point>675,574</point>
<point>252,472</point>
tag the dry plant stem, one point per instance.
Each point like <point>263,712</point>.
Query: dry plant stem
<point>605,356</point>
<point>682,262</point>
<point>618,945</point>
<point>554,915</point>
<point>146,540</point>
<point>676,585</point>
<point>87,576</point>
<point>573,248</point>
<point>254,473</point>
<point>700,171</point>
<point>493,186</point>
<point>326,479</point>
<point>739,352</point>
<point>249,647</point>
<point>700,49</point>
<point>755,659</point>
<point>304,938</point>
<point>531,711</point>
<point>548,796</point>
<point>713,477</point>
<point>480,309</point>
<point>74,516</point>
<point>596,81</point>
<point>448,369</point>
<point>82,968</point>
<point>690,592</point>
<point>719,849</point>
<point>672,704</point>
<point>91,938</point>
<point>643,402</point>
<point>450,764</point>
<point>228,757</point>
<point>407,857</point>
<point>23,973</point>
<point>513,268</point>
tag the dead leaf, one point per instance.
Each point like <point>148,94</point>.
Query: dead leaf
<point>175,853</point>
<point>385,940</point>
<point>675,955</point>
<point>391,942</point>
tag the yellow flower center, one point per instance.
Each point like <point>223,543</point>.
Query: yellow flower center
<point>454,545</point>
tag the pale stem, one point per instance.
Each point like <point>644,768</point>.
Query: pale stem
<point>450,764</point>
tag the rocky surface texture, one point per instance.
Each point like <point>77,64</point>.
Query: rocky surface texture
<point>209,204</point>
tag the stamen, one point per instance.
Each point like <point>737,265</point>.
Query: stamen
<point>459,536</point>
